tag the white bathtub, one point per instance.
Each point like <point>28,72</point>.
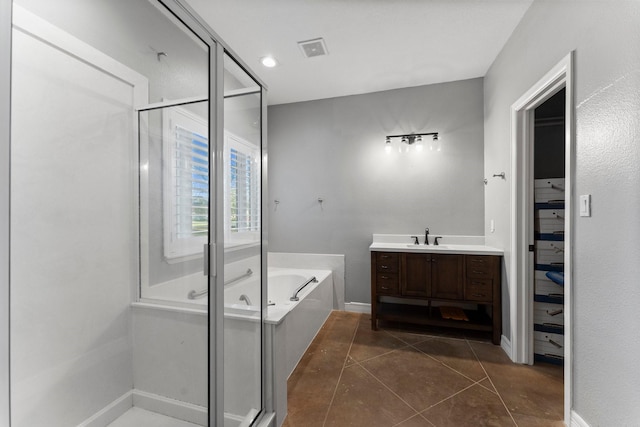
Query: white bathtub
<point>281,285</point>
<point>290,328</point>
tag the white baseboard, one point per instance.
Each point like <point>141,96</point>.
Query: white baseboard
<point>505,344</point>
<point>110,412</point>
<point>357,307</point>
<point>577,421</point>
<point>170,407</point>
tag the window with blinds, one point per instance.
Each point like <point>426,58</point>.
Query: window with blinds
<point>191,183</point>
<point>242,190</point>
<point>186,183</point>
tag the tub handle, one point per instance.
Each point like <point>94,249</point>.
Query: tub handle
<point>199,294</point>
<point>242,276</point>
<point>295,294</point>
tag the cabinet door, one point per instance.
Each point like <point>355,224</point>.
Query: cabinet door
<point>447,276</point>
<point>416,277</point>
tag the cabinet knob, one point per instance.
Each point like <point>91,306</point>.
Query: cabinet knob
<point>384,277</point>
<point>384,288</point>
<point>384,267</point>
<point>480,261</point>
<point>477,272</point>
<point>477,295</point>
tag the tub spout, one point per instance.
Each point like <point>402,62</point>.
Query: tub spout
<point>295,294</point>
<point>245,298</point>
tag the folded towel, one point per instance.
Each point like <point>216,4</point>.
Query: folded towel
<point>455,313</point>
<point>556,276</point>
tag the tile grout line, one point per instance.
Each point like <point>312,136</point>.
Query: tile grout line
<point>449,367</point>
<point>493,385</point>
<point>335,390</point>
<point>394,393</point>
<point>356,362</point>
<point>449,397</point>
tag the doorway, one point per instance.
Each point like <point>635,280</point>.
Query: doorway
<point>548,230</point>
<point>523,261</point>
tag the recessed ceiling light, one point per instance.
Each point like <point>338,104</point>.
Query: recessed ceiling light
<point>268,61</point>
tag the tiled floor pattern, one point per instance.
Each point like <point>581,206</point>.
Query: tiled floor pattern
<point>353,376</point>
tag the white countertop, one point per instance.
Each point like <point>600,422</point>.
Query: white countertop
<point>467,245</point>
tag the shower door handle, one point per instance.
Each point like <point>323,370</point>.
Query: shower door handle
<point>209,259</point>
<point>206,259</point>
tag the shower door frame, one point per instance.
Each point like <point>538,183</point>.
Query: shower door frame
<point>218,48</point>
<point>5,199</point>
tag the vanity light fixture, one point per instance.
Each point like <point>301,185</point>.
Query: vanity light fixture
<point>412,139</point>
<point>387,145</point>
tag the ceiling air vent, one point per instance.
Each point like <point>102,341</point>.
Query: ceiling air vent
<point>311,48</point>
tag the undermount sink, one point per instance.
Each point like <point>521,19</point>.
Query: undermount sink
<point>426,247</point>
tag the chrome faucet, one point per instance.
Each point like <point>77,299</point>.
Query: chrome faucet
<point>426,236</point>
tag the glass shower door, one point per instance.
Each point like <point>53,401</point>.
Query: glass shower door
<point>243,262</point>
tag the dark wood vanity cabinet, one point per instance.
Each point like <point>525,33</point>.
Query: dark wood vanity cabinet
<point>431,275</point>
<point>416,280</point>
<point>387,272</point>
<point>417,284</point>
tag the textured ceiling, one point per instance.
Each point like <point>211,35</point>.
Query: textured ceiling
<point>373,45</point>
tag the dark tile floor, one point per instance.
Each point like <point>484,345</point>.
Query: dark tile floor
<point>353,376</point>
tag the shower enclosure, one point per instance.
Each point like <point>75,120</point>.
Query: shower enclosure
<point>137,179</point>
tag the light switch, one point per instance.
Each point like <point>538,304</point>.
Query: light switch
<point>585,205</point>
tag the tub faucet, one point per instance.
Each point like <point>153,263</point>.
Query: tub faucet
<point>245,298</point>
<point>426,236</point>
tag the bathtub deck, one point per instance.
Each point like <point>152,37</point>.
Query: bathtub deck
<point>137,417</point>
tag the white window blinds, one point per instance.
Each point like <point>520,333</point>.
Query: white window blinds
<point>242,190</point>
<point>191,183</point>
<point>185,183</point>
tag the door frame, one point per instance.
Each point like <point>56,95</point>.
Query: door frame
<point>522,263</point>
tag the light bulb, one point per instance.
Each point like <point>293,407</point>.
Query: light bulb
<point>268,61</point>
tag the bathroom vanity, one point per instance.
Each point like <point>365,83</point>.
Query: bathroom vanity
<point>455,285</point>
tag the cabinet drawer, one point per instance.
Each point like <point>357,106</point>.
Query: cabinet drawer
<point>480,266</point>
<point>387,283</point>
<point>387,262</point>
<point>478,290</point>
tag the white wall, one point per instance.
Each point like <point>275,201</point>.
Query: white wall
<point>606,39</point>
<point>334,149</point>
<point>132,32</point>
<point>73,250</point>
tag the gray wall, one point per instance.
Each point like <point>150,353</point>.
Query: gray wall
<point>334,149</point>
<point>605,36</point>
